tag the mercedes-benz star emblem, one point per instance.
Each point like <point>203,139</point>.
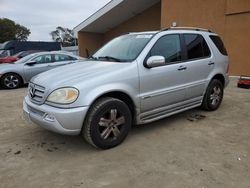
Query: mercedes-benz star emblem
<point>32,92</point>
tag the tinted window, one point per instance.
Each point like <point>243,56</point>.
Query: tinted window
<point>196,46</point>
<point>169,47</point>
<point>43,59</point>
<point>219,44</point>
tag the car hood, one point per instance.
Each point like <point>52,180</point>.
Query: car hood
<point>72,74</point>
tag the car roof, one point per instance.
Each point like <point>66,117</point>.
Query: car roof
<point>55,52</point>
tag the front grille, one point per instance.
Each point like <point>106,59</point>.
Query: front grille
<point>36,93</point>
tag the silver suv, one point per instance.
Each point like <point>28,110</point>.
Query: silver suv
<point>136,78</point>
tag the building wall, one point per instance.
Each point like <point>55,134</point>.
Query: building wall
<point>229,18</point>
<point>148,20</point>
<point>89,42</point>
<point>237,39</point>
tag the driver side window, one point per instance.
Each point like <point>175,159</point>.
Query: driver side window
<point>169,47</point>
<point>43,59</point>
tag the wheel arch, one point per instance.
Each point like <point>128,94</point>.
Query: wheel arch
<point>22,79</point>
<point>219,77</point>
<point>123,96</point>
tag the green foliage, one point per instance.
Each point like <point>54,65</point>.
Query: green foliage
<point>9,30</point>
<point>64,35</point>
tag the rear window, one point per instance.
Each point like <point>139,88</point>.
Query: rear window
<point>196,46</point>
<point>219,44</point>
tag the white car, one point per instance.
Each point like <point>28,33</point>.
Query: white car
<point>20,72</point>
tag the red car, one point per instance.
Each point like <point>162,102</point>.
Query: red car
<point>19,55</point>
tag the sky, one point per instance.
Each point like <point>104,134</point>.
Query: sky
<point>43,16</point>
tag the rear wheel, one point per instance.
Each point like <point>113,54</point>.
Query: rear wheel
<point>107,123</point>
<point>11,81</point>
<point>213,96</point>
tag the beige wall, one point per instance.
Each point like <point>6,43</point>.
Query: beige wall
<point>194,13</point>
<point>89,42</point>
<point>229,18</point>
<point>237,6</point>
<point>237,39</point>
<point>149,20</point>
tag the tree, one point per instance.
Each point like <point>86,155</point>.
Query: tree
<point>22,33</point>
<point>9,30</point>
<point>63,35</point>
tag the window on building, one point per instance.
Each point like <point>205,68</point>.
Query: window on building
<point>196,46</point>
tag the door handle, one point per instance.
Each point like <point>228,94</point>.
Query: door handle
<point>181,68</point>
<point>211,63</point>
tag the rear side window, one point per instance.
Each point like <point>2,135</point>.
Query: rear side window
<point>219,44</point>
<point>43,59</point>
<point>61,57</point>
<point>196,46</point>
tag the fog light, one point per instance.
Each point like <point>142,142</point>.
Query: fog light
<point>49,117</point>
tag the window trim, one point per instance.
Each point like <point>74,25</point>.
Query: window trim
<point>185,48</point>
<point>170,63</point>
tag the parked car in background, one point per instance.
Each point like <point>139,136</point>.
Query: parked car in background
<point>20,72</point>
<point>19,55</point>
<point>136,78</point>
<point>12,47</point>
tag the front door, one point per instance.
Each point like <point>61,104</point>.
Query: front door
<point>165,85</point>
<point>42,64</point>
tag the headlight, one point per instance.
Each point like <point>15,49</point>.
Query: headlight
<point>63,96</point>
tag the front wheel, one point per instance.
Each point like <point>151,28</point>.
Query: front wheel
<point>11,81</point>
<point>108,123</point>
<point>213,96</point>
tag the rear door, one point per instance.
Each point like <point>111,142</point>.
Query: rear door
<point>199,63</point>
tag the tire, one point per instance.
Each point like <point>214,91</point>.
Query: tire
<point>213,96</point>
<point>11,81</point>
<point>107,124</point>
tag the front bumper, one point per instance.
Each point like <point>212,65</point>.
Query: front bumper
<point>62,121</point>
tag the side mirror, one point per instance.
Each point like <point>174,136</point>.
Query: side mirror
<point>155,61</point>
<point>31,63</point>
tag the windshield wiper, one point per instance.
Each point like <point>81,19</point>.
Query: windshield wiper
<point>109,58</point>
<point>92,57</point>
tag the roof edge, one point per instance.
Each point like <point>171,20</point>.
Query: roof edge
<point>100,12</point>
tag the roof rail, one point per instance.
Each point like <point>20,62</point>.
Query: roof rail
<point>187,28</point>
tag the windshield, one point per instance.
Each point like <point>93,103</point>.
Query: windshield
<point>17,54</point>
<point>125,48</point>
<point>4,53</point>
<point>25,59</point>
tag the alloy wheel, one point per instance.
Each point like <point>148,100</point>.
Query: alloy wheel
<point>11,81</point>
<point>215,96</point>
<point>110,124</point>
